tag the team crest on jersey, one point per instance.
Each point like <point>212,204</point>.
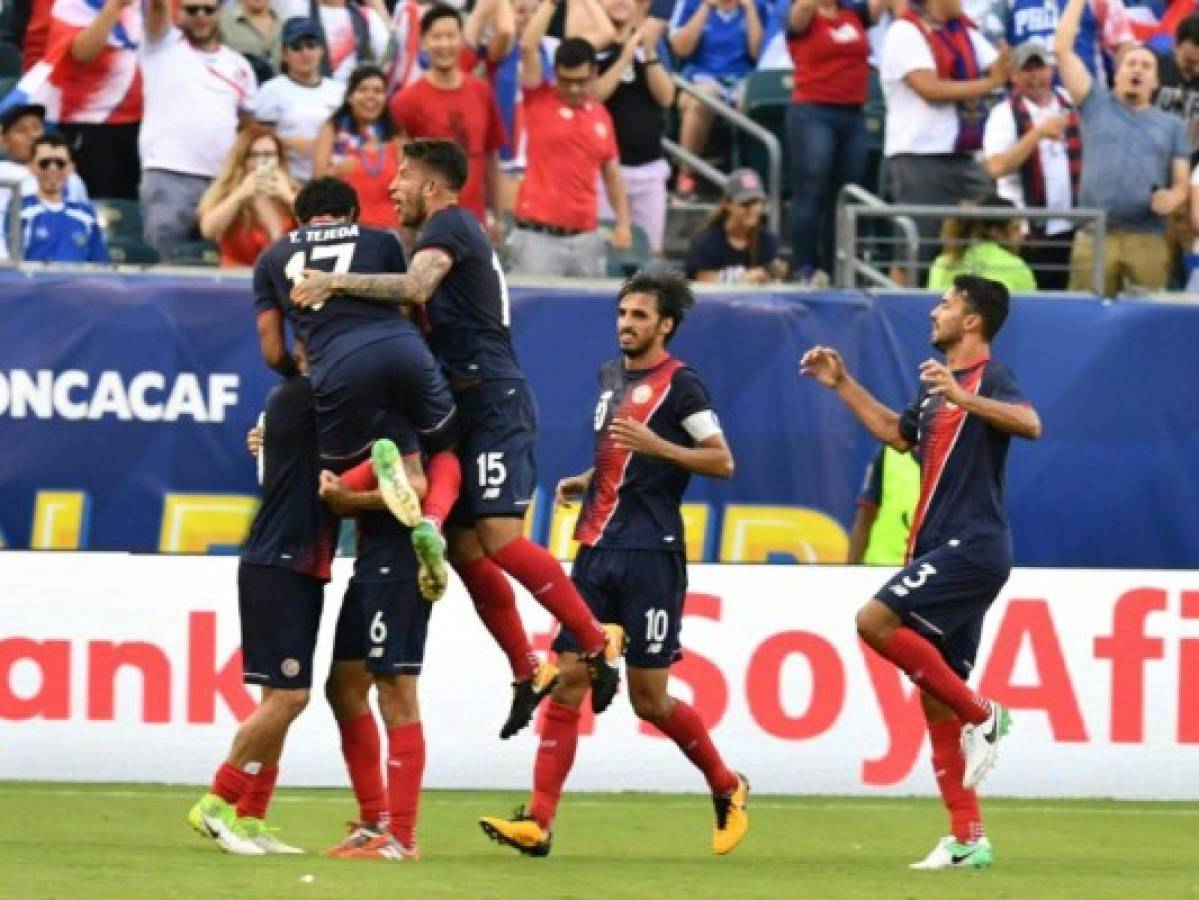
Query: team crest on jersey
<point>290,667</point>
<point>642,393</point>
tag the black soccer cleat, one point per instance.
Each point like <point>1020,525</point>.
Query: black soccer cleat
<point>527,696</point>
<point>603,669</point>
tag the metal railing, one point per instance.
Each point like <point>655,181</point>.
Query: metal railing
<point>10,201</point>
<point>774,151</point>
<point>855,205</point>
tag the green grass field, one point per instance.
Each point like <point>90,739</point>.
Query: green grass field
<point>128,841</point>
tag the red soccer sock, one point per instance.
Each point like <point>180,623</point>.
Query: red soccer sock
<point>255,801</point>
<point>685,728</point>
<point>949,764</point>
<point>360,477</point>
<point>405,771</point>
<point>928,671</point>
<point>495,603</point>
<point>360,747</point>
<point>444,476</point>
<point>230,783</point>
<point>543,577</point>
<point>555,756</point>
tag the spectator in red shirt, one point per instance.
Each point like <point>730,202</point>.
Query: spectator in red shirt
<point>93,48</point>
<point>571,142</point>
<point>249,205</point>
<point>826,128</point>
<point>448,103</point>
<point>360,145</point>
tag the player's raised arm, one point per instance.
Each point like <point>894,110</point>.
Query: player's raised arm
<point>1018,419</point>
<point>416,285</point>
<point>827,367</point>
<point>711,456</point>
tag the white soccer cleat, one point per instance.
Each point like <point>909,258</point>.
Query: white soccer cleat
<point>258,833</point>
<point>215,819</point>
<point>949,854</point>
<point>980,744</point>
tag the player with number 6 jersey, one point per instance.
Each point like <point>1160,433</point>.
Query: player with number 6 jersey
<point>927,620</point>
<point>456,279</point>
<point>654,428</point>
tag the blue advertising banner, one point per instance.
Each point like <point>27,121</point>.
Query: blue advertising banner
<point>125,399</point>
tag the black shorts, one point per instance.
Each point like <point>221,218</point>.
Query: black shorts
<point>642,591</point>
<point>944,596</point>
<point>384,623</point>
<point>280,617</point>
<point>381,382</point>
<point>497,434</point>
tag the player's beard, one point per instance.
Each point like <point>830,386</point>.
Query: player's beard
<point>414,212</point>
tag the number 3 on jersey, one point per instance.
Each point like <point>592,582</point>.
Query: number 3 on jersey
<point>341,254</point>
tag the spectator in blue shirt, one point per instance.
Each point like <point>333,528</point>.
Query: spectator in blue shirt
<point>53,228</point>
<point>718,42</point>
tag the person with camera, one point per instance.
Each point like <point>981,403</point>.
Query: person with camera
<point>249,204</point>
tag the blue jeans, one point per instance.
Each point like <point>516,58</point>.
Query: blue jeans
<point>828,150</point>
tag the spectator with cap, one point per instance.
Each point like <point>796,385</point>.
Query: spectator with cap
<point>251,27</point>
<point>20,126</point>
<point>718,42</point>
<point>735,247</point>
<point>299,101</point>
<point>571,144</point>
<point>196,91</point>
<point>449,103</point>
<point>95,89</point>
<point>636,88</point>
<point>1032,147</point>
<point>937,71</point>
<point>352,33</point>
<point>53,228</point>
<point>1136,165</point>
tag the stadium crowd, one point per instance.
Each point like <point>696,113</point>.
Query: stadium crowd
<point>199,121</point>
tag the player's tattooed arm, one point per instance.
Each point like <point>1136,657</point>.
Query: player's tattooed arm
<point>416,285</point>
<point>828,368</point>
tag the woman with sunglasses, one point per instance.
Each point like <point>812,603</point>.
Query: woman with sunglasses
<point>360,144</point>
<point>249,205</point>
<point>298,102</point>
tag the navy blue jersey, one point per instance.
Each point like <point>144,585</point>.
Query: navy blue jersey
<point>962,470</point>
<point>469,313</point>
<point>344,323</point>
<point>633,500</point>
<point>292,529</point>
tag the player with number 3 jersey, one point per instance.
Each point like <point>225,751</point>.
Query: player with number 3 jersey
<point>927,620</point>
<point>456,280</point>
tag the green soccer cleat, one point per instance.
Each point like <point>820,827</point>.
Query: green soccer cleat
<point>258,833</point>
<point>216,820</point>
<point>434,574</point>
<point>397,492</point>
<point>949,854</point>
<point>980,744</point>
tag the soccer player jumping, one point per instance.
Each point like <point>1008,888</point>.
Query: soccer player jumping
<point>654,428</point>
<point>927,620</point>
<point>456,281</point>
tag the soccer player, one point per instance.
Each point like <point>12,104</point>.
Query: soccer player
<point>928,618</point>
<point>654,428</point>
<point>369,365</point>
<point>284,568</point>
<point>379,643</point>
<point>456,279</point>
